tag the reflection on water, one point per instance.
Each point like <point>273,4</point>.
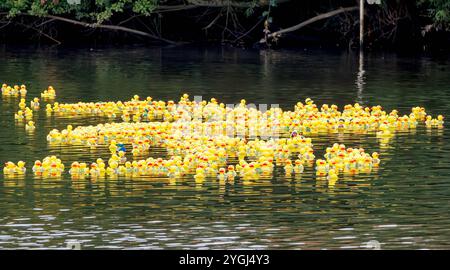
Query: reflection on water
<point>403,205</point>
<point>360,77</point>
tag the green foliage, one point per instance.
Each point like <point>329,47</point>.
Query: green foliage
<point>94,10</point>
<point>438,10</point>
<point>251,9</point>
<point>144,7</point>
<point>99,11</point>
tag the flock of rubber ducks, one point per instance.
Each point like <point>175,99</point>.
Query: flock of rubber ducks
<point>14,90</point>
<point>208,139</point>
<point>25,113</point>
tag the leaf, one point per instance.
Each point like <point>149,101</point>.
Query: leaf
<point>249,12</point>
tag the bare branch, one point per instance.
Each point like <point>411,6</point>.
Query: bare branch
<point>101,26</point>
<point>41,33</point>
<point>310,21</point>
<point>250,30</point>
<point>233,3</point>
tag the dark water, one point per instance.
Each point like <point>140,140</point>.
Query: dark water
<point>405,205</point>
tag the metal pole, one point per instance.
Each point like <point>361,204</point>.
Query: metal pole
<point>361,23</point>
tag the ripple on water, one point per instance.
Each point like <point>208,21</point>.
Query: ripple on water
<point>404,205</point>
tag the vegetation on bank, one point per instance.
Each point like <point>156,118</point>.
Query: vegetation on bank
<point>266,22</point>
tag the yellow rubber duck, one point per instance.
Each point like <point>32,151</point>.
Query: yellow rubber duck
<point>34,104</point>
<point>332,176</point>
<point>10,168</point>
<point>94,171</point>
<point>222,174</point>
<point>122,157</point>
<point>28,113</point>
<point>440,120</point>
<point>321,167</point>
<point>6,89</point>
<point>23,90</point>
<point>112,169</point>
<point>199,174</point>
<point>20,168</point>
<point>83,170</point>
<point>19,115</point>
<point>75,168</point>
<point>298,168</point>
<point>231,174</point>
<point>30,126</point>
<point>50,93</point>
<point>288,168</point>
<point>48,109</point>
<point>375,159</point>
<point>37,167</point>
<point>429,121</point>
<point>22,104</point>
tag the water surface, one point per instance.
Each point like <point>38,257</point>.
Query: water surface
<point>403,206</point>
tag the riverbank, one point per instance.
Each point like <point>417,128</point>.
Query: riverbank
<point>400,26</point>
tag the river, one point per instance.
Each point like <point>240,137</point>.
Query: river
<point>404,205</point>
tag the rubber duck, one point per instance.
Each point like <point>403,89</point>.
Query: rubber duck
<point>10,168</point>
<point>440,121</point>
<point>266,168</point>
<point>19,116</point>
<point>48,109</point>
<point>34,104</point>
<point>298,168</point>
<point>30,126</point>
<point>128,168</point>
<point>375,159</point>
<point>199,174</point>
<point>5,90</point>
<point>122,157</point>
<point>308,155</point>
<point>288,168</point>
<point>23,90</point>
<point>250,171</point>
<point>22,104</point>
<point>50,93</point>
<point>231,174</point>
<point>55,170</point>
<point>112,169</point>
<point>94,170</point>
<point>20,168</point>
<point>384,132</point>
<point>15,90</point>
<point>83,170</point>
<point>351,166</point>
<point>222,174</point>
<point>135,151</point>
<point>28,113</point>
<point>173,172</point>
<point>37,167</point>
<point>332,176</point>
<point>75,168</point>
<point>321,167</point>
